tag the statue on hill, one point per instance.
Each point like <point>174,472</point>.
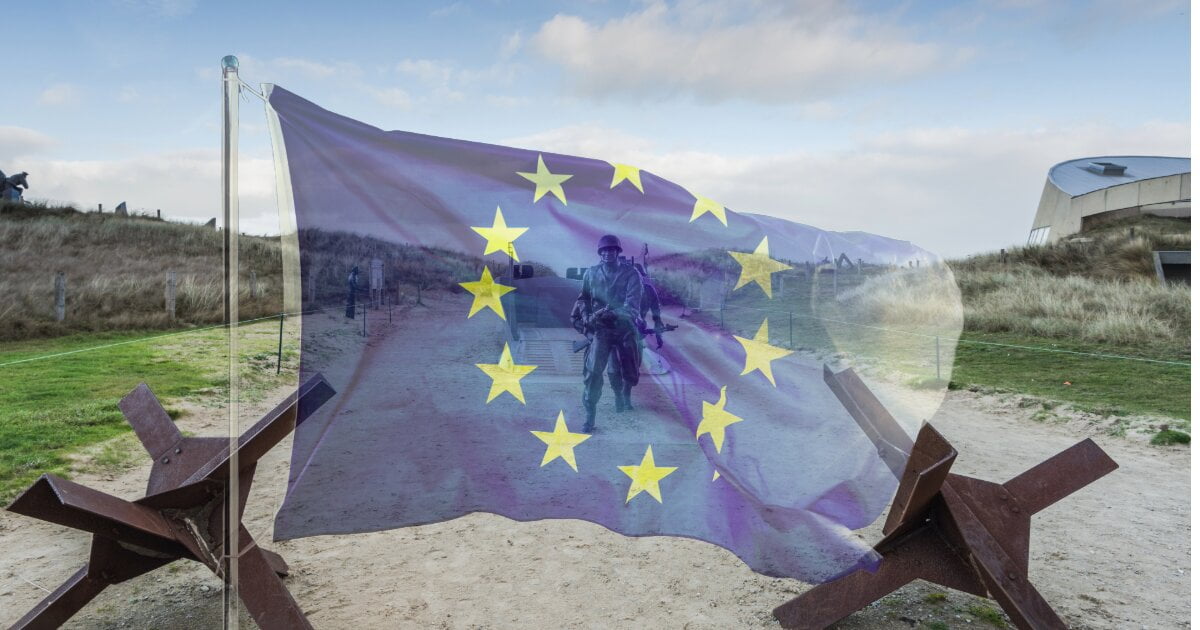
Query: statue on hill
<point>14,186</point>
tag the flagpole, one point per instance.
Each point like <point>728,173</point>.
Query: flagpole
<point>231,85</point>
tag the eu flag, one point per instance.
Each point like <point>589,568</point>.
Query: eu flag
<point>463,390</point>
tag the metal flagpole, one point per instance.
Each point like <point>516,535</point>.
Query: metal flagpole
<point>231,85</point>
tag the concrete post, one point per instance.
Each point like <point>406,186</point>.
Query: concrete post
<point>170,295</point>
<point>253,285</point>
<point>60,296</point>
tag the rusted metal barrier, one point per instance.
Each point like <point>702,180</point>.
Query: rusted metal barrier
<point>963,533</point>
<point>181,516</point>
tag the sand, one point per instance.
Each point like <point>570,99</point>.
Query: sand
<point>1113,555</point>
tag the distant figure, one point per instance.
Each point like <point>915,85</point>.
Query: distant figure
<point>351,289</point>
<point>14,186</point>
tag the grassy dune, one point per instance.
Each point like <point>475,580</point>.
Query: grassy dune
<point>1093,298</point>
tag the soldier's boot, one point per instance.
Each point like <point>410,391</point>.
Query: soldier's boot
<point>589,425</point>
<point>618,398</point>
<point>628,397</point>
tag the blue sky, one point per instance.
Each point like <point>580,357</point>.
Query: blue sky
<point>929,122</point>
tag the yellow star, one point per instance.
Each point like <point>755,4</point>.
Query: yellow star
<point>487,294</point>
<point>704,204</point>
<point>500,236</point>
<point>716,475</point>
<point>760,353</point>
<point>623,172</point>
<point>757,267</point>
<point>546,182</point>
<point>560,443</point>
<point>714,419</point>
<point>646,476</point>
<point>506,376</point>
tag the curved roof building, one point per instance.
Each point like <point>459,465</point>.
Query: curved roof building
<point>1080,193</point>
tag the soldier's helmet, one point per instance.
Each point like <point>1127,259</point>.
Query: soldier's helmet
<point>608,240</point>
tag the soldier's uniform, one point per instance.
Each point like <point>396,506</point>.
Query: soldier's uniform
<point>607,306</point>
<point>622,388</point>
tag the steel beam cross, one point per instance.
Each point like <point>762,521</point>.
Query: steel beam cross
<point>963,533</point>
<point>182,514</point>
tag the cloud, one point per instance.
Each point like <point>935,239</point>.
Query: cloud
<point>313,69</point>
<point>185,185</point>
<point>427,70</point>
<point>954,191</point>
<point>710,51</point>
<point>59,94</point>
<point>162,8</point>
<point>511,45</point>
<point>392,97</point>
<point>128,94</point>
<point>454,9</point>
<point>284,69</point>
<point>20,142</point>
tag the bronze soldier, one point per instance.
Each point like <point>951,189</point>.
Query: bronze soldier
<point>607,309</point>
<point>623,387</point>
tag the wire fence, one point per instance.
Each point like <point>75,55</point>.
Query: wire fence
<point>792,315</point>
<point>360,310</point>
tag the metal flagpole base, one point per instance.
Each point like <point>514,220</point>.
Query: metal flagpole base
<point>181,515</point>
<point>963,533</point>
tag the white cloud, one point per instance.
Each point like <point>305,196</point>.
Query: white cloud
<point>128,94</point>
<point>954,191</point>
<point>313,69</point>
<point>505,101</point>
<point>710,51</point>
<point>451,10</point>
<point>185,185</point>
<point>20,142</point>
<point>427,70</point>
<point>511,45</point>
<point>163,8</point>
<point>59,94</point>
<point>392,97</point>
<point>282,69</point>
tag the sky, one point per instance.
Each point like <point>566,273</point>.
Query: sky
<point>934,123</point>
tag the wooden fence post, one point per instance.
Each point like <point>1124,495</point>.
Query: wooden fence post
<point>312,285</point>
<point>170,295</point>
<point>60,296</point>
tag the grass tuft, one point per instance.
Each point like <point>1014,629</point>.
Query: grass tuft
<point>988,615</point>
<point>1167,437</point>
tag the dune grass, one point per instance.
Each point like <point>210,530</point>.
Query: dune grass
<point>51,407</point>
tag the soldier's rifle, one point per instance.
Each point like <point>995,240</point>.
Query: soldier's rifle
<point>657,331</point>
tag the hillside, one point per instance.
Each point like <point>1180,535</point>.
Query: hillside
<point>116,269</point>
<point>1097,287</point>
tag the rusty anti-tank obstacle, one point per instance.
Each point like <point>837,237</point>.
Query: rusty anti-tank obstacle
<point>181,516</point>
<point>963,533</point>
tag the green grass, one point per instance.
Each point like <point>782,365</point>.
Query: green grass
<point>936,597</point>
<point>1167,437</point>
<point>989,615</point>
<point>50,408</point>
<point>1099,385</point>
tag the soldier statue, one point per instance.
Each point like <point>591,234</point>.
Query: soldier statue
<point>13,186</point>
<point>623,387</point>
<point>606,310</point>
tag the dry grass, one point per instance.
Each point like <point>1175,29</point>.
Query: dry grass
<point>1101,290</point>
<point>1031,302</point>
<point>115,271</point>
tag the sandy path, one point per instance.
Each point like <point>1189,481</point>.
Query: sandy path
<point>1115,555</point>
